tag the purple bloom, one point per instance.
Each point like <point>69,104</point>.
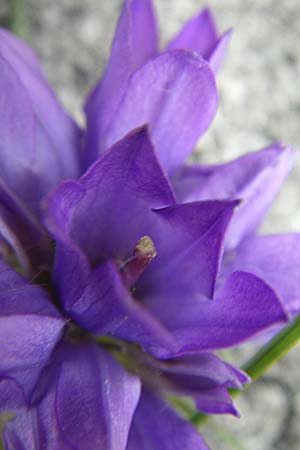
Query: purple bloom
<point>150,274</point>
<point>175,94</point>
<point>141,272</point>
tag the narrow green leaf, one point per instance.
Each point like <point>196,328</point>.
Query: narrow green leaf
<point>273,350</point>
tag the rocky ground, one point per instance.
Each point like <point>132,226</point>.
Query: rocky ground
<point>259,102</point>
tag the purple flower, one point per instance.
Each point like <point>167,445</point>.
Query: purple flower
<point>140,291</point>
<point>140,272</point>
<point>175,94</point>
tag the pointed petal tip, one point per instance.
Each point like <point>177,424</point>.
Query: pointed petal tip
<point>207,12</point>
<point>283,315</point>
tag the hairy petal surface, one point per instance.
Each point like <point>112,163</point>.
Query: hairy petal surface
<point>135,41</point>
<point>255,178</point>
<point>157,426</point>
<point>175,94</point>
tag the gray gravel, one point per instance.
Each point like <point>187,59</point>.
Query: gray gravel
<point>259,102</point>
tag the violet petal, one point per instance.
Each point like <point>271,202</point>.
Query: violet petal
<point>243,307</point>
<point>30,327</point>
<point>275,259</point>
<point>135,41</point>
<point>175,94</point>
<point>199,34</point>
<point>157,426</point>
<point>89,404</point>
<point>255,178</point>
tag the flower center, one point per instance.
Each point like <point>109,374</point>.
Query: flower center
<point>134,266</point>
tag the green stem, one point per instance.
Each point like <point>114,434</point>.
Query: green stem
<point>18,21</point>
<point>271,352</point>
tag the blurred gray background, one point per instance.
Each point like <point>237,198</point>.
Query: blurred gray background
<point>259,102</point>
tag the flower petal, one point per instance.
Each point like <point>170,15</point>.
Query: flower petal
<point>275,259</point>
<point>157,426</point>
<point>243,307</point>
<point>109,209</point>
<point>202,376</point>
<point>189,244</point>
<point>135,41</point>
<point>106,307</point>
<point>30,327</point>
<point>21,50</point>
<point>22,234</point>
<point>89,404</point>
<point>34,129</point>
<point>207,370</point>
<point>255,178</point>
<point>18,434</point>
<point>218,53</point>
<point>175,94</point>
<point>200,34</point>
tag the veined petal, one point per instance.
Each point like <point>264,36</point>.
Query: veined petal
<point>157,426</point>
<point>89,404</point>
<point>22,234</point>
<point>34,129</point>
<point>254,178</point>
<point>135,41</point>
<point>199,34</point>
<point>275,259</point>
<point>18,434</point>
<point>30,327</point>
<point>175,94</point>
<point>206,370</point>
<point>106,307</point>
<point>216,401</point>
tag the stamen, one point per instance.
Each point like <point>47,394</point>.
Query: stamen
<point>143,254</point>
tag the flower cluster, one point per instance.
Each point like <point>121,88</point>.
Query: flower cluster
<point>122,267</point>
